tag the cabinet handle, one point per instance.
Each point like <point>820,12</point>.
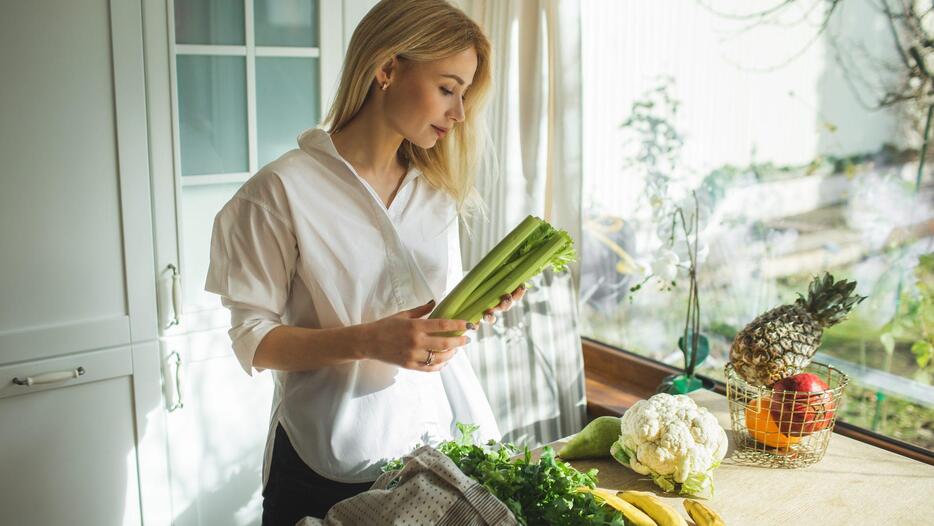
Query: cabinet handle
<point>49,378</point>
<point>176,296</point>
<point>177,402</point>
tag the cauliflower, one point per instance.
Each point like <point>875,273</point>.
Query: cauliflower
<point>671,439</point>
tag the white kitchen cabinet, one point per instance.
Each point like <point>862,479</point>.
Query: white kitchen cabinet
<point>228,89</point>
<point>76,269</point>
<point>75,207</point>
<point>69,446</point>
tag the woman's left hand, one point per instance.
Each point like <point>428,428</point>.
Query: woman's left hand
<point>506,303</point>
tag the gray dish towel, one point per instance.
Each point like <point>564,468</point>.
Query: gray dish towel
<point>429,489</point>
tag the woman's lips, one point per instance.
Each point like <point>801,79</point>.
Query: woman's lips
<point>440,131</point>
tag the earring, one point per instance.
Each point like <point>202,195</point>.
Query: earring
<point>384,86</point>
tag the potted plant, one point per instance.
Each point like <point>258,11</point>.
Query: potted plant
<point>694,346</point>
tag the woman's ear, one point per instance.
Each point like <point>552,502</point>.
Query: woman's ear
<point>386,72</point>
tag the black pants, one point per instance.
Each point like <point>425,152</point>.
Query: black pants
<point>294,490</point>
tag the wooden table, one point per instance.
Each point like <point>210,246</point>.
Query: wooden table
<point>854,484</point>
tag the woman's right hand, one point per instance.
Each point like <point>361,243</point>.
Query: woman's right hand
<point>405,339</point>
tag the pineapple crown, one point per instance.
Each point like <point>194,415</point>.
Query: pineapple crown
<point>829,301</point>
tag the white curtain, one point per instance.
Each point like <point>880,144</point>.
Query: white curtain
<point>530,361</point>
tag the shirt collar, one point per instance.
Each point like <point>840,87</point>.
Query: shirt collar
<point>316,140</point>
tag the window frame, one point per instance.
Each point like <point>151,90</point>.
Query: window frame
<point>250,51</point>
<point>609,101</point>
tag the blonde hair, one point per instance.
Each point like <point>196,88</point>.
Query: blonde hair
<point>420,31</point>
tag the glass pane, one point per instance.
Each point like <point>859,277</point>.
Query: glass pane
<point>199,206</point>
<point>286,103</point>
<point>286,22</point>
<point>795,175</point>
<point>212,114</point>
<point>218,22</point>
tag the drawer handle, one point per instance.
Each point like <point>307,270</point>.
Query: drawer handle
<point>49,378</point>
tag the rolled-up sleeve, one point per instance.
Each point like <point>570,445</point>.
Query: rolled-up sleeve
<point>253,254</point>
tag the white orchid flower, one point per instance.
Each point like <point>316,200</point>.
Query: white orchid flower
<point>665,265</point>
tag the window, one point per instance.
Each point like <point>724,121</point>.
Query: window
<point>246,79</point>
<point>768,120</point>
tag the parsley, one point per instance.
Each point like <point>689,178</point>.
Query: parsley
<point>540,491</point>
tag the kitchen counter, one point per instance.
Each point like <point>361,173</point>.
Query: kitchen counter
<point>855,483</point>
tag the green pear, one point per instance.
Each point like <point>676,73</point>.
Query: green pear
<point>594,440</point>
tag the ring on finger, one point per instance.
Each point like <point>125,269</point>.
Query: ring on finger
<point>431,357</point>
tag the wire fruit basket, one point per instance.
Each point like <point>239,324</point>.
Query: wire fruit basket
<point>783,429</point>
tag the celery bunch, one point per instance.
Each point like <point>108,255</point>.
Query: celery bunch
<point>524,253</point>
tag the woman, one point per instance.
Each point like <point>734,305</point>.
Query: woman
<point>330,257</point>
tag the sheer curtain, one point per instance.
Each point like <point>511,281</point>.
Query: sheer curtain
<point>530,361</point>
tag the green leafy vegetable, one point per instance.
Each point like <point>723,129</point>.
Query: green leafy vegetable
<point>537,491</point>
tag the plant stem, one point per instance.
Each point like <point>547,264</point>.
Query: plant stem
<point>687,318</point>
<point>692,317</point>
<point>694,264</point>
<point>924,148</point>
<point>695,325</point>
<point>689,348</point>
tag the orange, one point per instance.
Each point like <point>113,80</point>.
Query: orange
<point>762,426</point>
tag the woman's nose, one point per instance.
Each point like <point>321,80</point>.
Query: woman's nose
<point>457,112</point>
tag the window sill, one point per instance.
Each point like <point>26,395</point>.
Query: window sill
<point>616,379</point>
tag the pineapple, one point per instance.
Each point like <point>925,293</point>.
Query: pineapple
<point>781,342</point>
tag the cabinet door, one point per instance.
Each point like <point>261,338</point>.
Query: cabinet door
<point>77,261</point>
<point>217,431</point>
<point>228,90</point>
<point>75,221</point>
<point>68,452</point>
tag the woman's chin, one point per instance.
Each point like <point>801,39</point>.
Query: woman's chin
<point>425,144</point>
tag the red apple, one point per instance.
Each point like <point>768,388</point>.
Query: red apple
<point>802,404</point>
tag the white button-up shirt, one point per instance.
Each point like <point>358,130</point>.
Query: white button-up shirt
<point>307,242</point>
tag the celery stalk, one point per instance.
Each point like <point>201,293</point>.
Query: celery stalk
<point>540,235</point>
<point>487,266</point>
<point>494,279</point>
<point>556,251</point>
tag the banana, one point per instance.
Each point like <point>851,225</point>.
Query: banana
<point>633,515</point>
<point>702,514</point>
<point>660,512</point>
